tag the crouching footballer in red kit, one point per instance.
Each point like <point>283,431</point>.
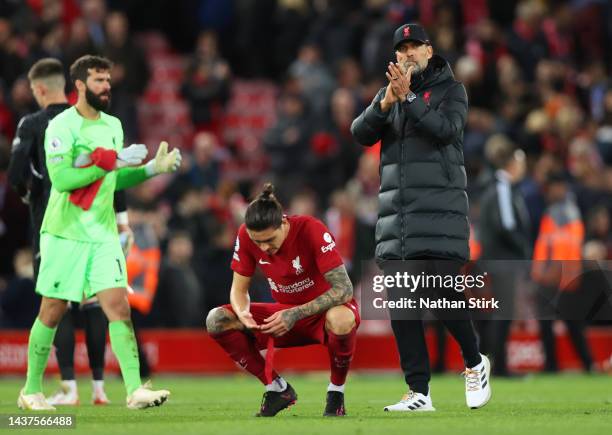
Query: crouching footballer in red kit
<point>313,294</point>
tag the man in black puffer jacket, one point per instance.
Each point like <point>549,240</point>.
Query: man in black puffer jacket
<point>419,118</point>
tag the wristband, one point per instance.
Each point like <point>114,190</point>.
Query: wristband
<point>122,218</point>
<point>150,168</point>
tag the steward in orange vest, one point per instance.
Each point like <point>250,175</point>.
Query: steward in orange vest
<point>557,253</point>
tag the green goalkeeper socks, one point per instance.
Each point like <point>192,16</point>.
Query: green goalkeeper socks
<point>39,346</point>
<point>123,343</point>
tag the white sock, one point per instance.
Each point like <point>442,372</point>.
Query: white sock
<point>71,385</point>
<point>278,385</point>
<point>98,385</point>
<point>333,387</point>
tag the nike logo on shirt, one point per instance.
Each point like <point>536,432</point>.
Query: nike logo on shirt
<point>263,262</point>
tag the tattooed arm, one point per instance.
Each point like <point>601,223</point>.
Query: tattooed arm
<point>341,291</point>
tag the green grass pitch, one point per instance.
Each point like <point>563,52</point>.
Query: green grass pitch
<point>564,404</point>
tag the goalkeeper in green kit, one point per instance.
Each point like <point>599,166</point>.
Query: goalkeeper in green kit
<point>80,250</point>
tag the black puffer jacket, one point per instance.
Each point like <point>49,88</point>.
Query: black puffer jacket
<point>423,204</point>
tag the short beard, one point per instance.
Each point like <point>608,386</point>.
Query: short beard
<point>96,102</point>
<point>416,68</point>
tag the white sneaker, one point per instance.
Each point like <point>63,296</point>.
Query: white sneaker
<point>412,401</point>
<point>33,402</point>
<point>66,395</point>
<point>98,395</point>
<point>478,384</point>
<point>144,397</point>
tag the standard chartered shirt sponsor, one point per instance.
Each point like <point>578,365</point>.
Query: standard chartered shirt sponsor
<point>296,287</point>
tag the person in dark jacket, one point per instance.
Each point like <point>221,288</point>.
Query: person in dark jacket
<point>505,225</point>
<point>419,117</point>
<point>504,230</point>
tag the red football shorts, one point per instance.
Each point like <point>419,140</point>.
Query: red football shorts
<point>310,330</point>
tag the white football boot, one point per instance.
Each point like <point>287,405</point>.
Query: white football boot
<point>66,395</point>
<point>144,397</point>
<point>33,402</point>
<point>98,395</point>
<point>478,384</point>
<point>412,402</point>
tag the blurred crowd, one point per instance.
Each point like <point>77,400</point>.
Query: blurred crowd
<point>537,73</point>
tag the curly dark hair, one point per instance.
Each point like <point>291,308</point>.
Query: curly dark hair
<point>79,70</point>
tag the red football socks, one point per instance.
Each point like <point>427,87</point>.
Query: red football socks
<point>241,348</point>
<point>340,349</point>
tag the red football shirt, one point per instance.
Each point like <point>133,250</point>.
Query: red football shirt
<point>295,272</point>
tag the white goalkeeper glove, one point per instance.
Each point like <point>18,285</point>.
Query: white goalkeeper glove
<point>164,161</point>
<point>82,160</point>
<point>132,155</point>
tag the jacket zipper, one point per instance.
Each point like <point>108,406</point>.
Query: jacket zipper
<point>401,184</point>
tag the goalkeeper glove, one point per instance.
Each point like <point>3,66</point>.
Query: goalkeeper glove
<point>110,159</point>
<point>132,155</point>
<point>82,161</point>
<point>101,157</point>
<point>164,161</point>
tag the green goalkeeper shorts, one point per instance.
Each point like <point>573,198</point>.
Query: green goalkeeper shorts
<point>72,269</point>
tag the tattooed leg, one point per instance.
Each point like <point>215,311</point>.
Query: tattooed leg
<point>219,320</point>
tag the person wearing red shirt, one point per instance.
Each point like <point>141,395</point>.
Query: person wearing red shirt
<point>313,294</point>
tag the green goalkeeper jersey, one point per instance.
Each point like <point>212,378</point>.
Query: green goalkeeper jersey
<point>68,136</point>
